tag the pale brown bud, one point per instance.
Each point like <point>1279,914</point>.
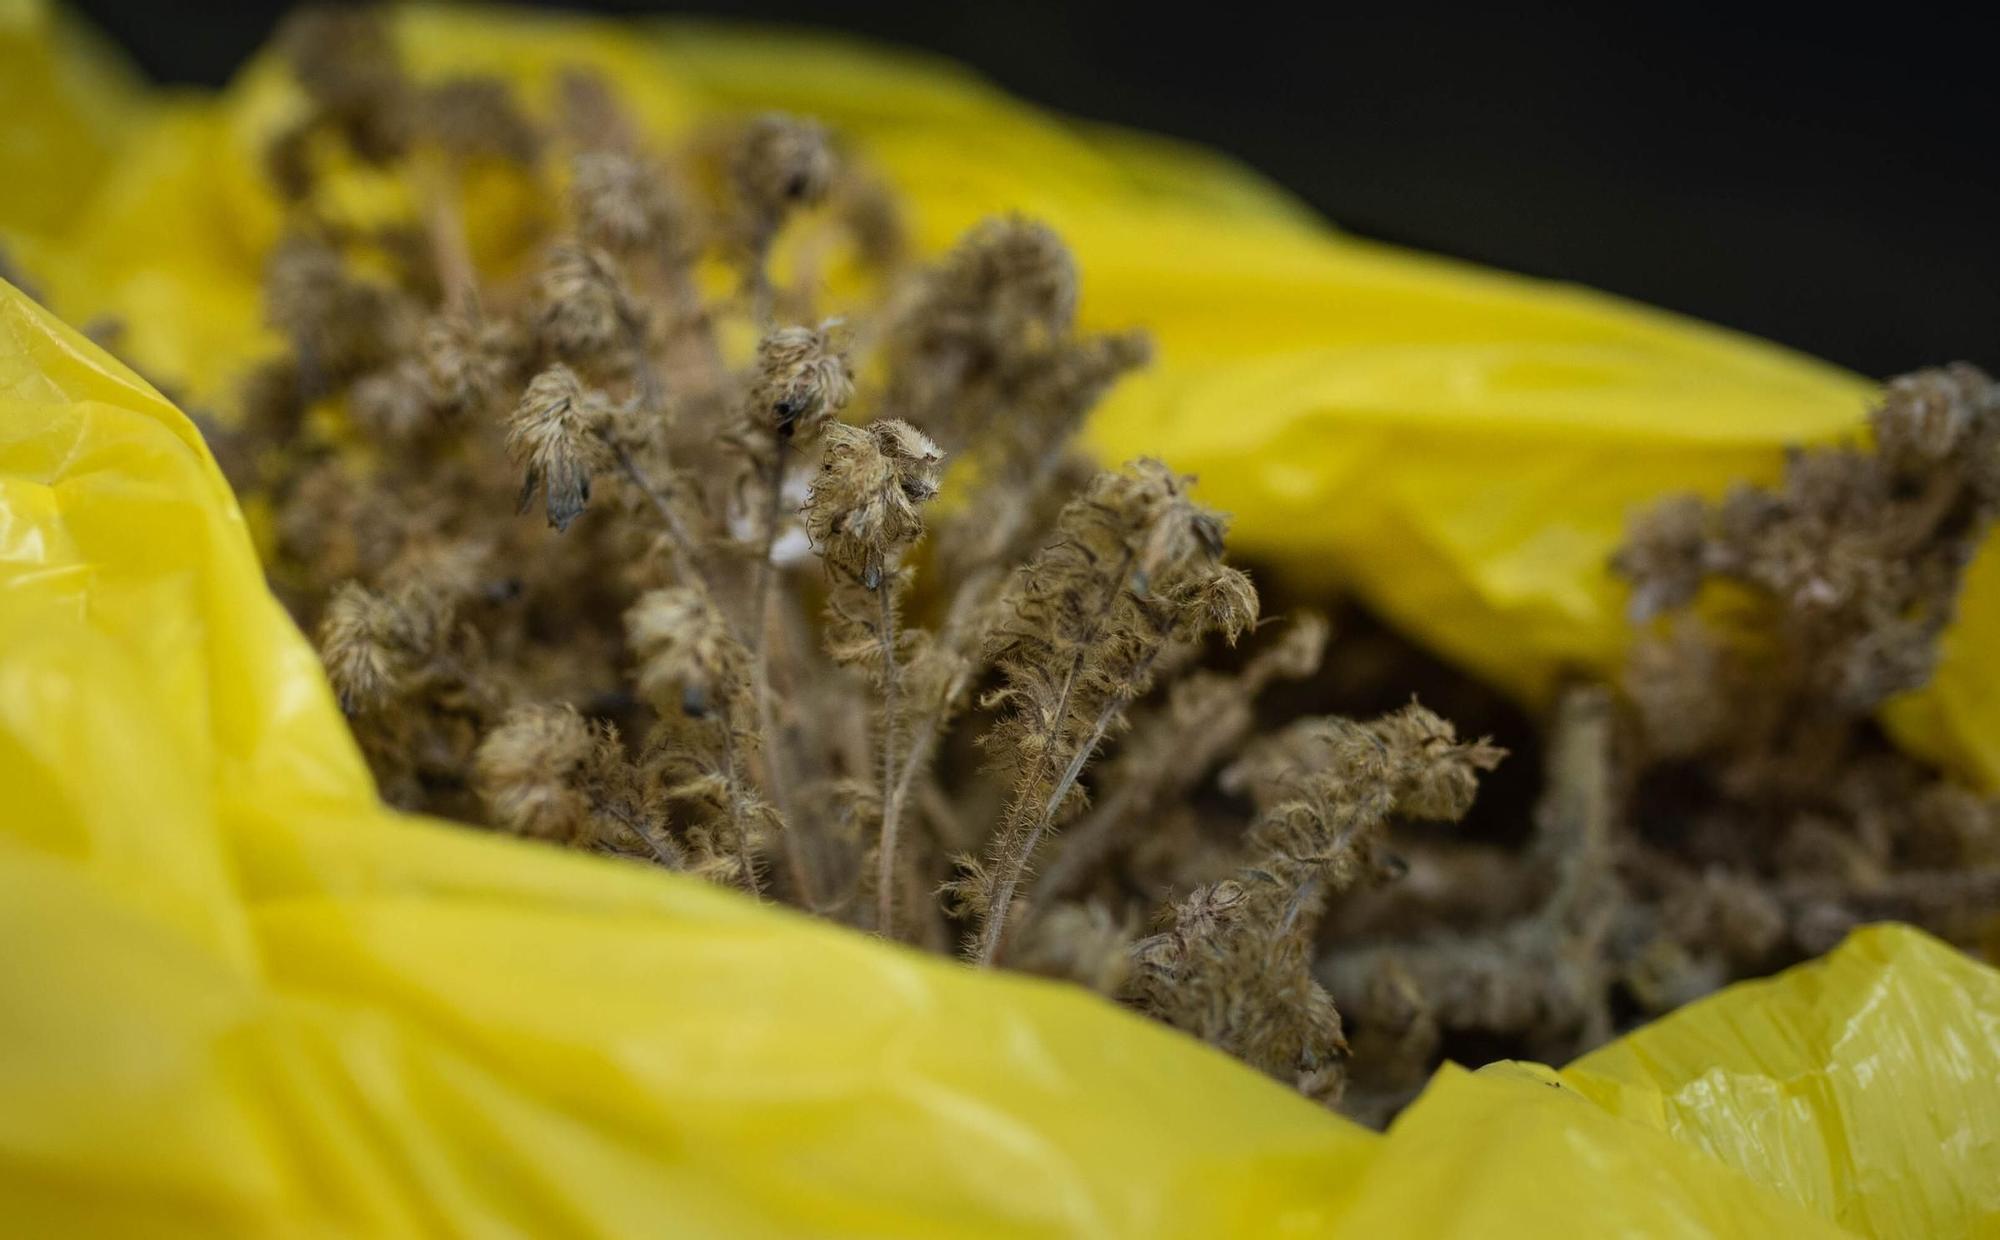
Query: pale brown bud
<point>623,203</point>
<point>529,771</point>
<point>802,380</point>
<point>863,510</point>
<point>585,312</point>
<point>780,162</point>
<point>554,434</point>
<point>687,656</point>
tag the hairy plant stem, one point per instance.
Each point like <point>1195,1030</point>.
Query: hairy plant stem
<point>1085,843</point>
<point>444,226</point>
<point>885,860</point>
<point>758,282</point>
<point>775,781</point>
<point>733,772</point>
<point>1016,864</point>
<point>680,540</point>
<point>971,595</point>
<point>663,849</point>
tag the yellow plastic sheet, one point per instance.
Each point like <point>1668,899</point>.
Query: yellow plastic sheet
<point>241,998</point>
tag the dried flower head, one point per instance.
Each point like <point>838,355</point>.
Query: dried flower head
<point>688,659</point>
<point>394,405</point>
<point>556,436</point>
<point>1925,417</point>
<point>339,326</point>
<point>864,507</point>
<point>802,380</point>
<point>345,59</point>
<point>530,772</point>
<point>874,220</point>
<point>359,641</point>
<point>1009,277</point>
<point>622,203</point>
<point>469,360</point>
<point>585,311</point>
<point>478,118</point>
<point>780,162</point>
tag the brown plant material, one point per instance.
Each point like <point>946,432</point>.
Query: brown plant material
<point>1822,598</point>
<point>653,682</point>
<point>556,434</point>
<point>1234,963</point>
<point>1135,566</point>
<point>759,634</point>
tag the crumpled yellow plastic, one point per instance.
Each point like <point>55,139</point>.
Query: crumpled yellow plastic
<point>241,997</point>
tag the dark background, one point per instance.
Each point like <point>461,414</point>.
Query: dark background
<point>1826,180</point>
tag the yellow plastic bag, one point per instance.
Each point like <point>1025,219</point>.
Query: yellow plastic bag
<point>241,997</point>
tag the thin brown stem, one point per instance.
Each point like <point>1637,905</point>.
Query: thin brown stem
<point>680,540</point>
<point>738,820</point>
<point>444,226</point>
<point>1084,844</point>
<point>989,948</point>
<point>758,282</point>
<point>647,384</point>
<point>663,849</point>
<point>885,860</point>
<point>775,781</point>
<point>1016,863</point>
<point>916,758</point>
<point>774,507</point>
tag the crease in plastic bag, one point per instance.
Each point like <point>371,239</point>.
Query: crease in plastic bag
<point>241,997</point>
<point>1461,448</point>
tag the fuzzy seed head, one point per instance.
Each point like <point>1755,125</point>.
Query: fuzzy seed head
<point>554,435</point>
<point>529,772</point>
<point>802,380</point>
<point>1221,601</point>
<point>359,643</point>
<point>338,324</point>
<point>623,203</point>
<point>393,405</point>
<point>467,360</point>
<point>1925,416</point>
<point>1013,274</point>
<point>781,162</point>
<point>864,509</point>
<point>1437,774</point>
<point>584,309</point>
<point>688,660</point>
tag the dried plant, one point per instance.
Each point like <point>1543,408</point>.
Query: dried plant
<point>1234,964</point>
<point>1743,811</point>
<point>833,610</point>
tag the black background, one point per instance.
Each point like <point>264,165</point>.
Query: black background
<point>1825,179</point>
